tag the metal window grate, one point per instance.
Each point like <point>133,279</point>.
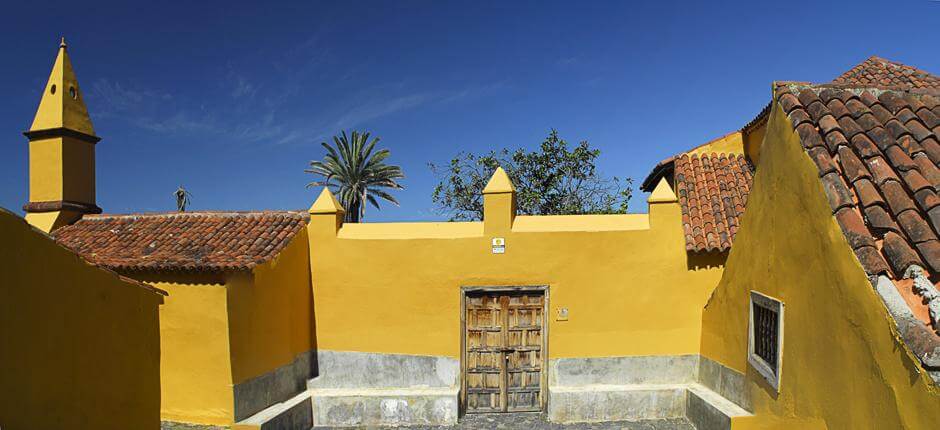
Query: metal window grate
<point>765,335</point>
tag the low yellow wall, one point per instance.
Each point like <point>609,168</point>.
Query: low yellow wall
<point>220,329</point>
<point>271,313</point>
<point>79,347</point>
<point>626,280</point>
<point>844,366</point>
<point>196,382</point>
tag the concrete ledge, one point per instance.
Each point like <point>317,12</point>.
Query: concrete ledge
<point>725,381</point>
<point>296,413</point>
<point>279,385</point>
<point>708,410</point>
<point>596,403</point>
<point>645,387</point>
<point>345,407</point>
<point>371,389</point>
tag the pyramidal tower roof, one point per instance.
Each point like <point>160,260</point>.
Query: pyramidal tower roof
<point>882,73</point>
<point>63,104</point>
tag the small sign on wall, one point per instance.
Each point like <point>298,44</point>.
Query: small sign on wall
<point>499,245</point>
<point>562,314</point>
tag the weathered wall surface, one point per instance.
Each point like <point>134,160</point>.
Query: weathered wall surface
<point>625,279</point>
<point>79,347</point>
<point>843,365</point>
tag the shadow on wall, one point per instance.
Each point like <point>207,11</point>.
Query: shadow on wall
<point>705,261</point>
<point>314,359</point>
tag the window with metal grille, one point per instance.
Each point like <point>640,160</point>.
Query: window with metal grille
<point>765,337</point>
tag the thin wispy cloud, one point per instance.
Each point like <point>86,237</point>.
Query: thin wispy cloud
<point>302,96</point>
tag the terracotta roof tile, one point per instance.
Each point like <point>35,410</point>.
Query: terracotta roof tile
<point>882,185</point>
<point>192,241</point>
<point>881,73</point>
<point>712,191</point>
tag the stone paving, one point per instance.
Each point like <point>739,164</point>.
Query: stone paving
<point>536,421</point>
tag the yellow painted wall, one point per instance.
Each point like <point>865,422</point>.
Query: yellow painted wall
<point>731,143</point>
<point>752,143</point>
<point>626,280</point>
<point>79,347</point>
<point>61,168</point>
<point>843,365</point>
<point>271,313</point>
<point>196,380</point>
<point>218,330</point>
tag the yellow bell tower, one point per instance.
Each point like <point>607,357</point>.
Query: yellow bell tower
<point>61,152</point>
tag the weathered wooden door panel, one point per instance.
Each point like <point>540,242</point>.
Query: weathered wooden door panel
<point>523,352</point>
<point>484,371</point>
<point>504,351</point>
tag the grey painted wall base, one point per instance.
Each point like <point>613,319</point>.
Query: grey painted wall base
<point>370,389</point>
<point>258,393</point>
<point>646,387</point>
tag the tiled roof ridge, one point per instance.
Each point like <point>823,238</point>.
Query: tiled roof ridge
<point>859,88</point>
<point>205,213</point>
<point>877,151</point>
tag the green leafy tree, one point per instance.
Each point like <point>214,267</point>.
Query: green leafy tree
<point>555,179</point>
<point>356,173</point>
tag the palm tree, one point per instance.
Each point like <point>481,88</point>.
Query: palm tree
<point>356,174</point>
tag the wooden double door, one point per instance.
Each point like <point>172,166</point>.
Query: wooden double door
<point>504,338</point>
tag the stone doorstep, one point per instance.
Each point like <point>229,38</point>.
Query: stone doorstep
<point>703,407</point>
<point>294,413</point>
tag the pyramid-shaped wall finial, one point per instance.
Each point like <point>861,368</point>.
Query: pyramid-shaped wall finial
<point>499,183</point>
<point>662,193</point>
<point>326,203</point>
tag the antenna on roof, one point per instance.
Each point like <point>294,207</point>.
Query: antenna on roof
<point>182,198</point>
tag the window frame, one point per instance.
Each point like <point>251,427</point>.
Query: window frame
<point>770,373</point>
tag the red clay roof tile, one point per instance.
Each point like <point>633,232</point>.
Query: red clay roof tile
<point>194,241</point>
<point>890,167</point>
<point>712,190</point>
<point>879,72</point>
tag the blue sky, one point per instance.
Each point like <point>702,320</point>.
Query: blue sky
<point>232,99</point>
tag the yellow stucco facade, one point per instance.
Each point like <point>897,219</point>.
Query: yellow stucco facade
<point>843,364</point>
<point>626,280</point>
<point>226,344</point>
<point>80,346</point>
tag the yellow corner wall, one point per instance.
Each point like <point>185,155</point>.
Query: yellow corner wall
<point>629,291</point>
<point>843,365</point>
<point>196,379</point>
<point>221,329</point>
<point>271,313</point>
<point>80,347</point>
